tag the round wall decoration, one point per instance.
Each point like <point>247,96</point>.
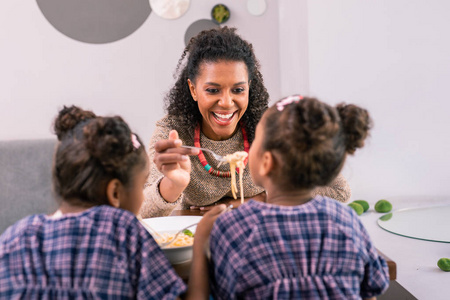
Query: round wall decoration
<point>96,22</point>
<point>220,13</point>
<point>256,7</point>
<point>196,27</point>
<point>169,9</point>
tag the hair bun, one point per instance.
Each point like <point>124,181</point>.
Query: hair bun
<point>316,122</point>
<point>356,123</point>
<point>68,118</point>
<point>108,140</point>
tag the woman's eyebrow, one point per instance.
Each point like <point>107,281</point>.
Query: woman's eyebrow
<point>216,84</point>
<point>212,83</point>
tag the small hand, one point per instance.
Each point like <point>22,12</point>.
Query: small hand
<point>206,223</point>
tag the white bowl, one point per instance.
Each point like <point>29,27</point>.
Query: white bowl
<point>172,224</point>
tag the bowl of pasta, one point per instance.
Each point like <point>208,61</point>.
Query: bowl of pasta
<point>163,229</point>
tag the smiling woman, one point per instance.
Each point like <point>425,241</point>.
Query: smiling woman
<point>216,103</point>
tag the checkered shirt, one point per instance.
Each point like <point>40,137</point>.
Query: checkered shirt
<point>318,250</point>
<point>101,253</point>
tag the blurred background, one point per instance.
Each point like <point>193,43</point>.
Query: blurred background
<point>391,57</point>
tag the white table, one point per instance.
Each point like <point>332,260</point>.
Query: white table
<point>416,260</point>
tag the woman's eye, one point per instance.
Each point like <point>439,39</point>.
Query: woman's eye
<point>212,91</point>
<point>238,90</point>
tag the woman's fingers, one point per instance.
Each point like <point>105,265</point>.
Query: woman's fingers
<point>163,145</point>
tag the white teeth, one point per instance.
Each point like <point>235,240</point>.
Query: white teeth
<point>224,116</point>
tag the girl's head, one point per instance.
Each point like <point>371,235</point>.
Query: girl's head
<point>307,141</point>
<point>218,72</point>
<point>98,161</point>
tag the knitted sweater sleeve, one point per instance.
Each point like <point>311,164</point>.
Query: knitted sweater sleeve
<point>154,204</point>
<point>338,189</point>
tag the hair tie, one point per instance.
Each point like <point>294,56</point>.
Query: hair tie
<point>135,141</point>
<point>288,100</point>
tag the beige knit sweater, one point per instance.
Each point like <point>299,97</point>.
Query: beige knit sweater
<point>204,188</point>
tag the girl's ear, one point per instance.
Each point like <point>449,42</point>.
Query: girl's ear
<point>267,164</point>
<point>113,192</point>
<point>192,89</point>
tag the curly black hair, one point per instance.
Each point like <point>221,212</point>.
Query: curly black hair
<point>312,139</point>
<point>212,46</point>
<point>92,151</point>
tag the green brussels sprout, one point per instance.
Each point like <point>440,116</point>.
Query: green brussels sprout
<point>383,206</point>
<point>363,203</point>
<point>444,264</point>
<point>357,207</point>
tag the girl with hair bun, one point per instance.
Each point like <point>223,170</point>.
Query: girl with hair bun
<point>93,246</point>
<point>298,245</point>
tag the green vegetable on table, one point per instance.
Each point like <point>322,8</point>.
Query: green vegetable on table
<point>383,206</point>
<point>363,203</point>
<point>188,232</point>
<point>357,207</point>
<point>444,264</point>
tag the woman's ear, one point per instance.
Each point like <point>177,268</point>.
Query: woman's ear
<point>113,192</point>
<point>192,89</point>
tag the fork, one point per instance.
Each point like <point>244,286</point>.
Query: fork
<point>218,157</point>
<point>163,245</point>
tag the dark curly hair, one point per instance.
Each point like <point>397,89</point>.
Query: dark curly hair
<point>310,139</point>
<point>212,46</point>
<point>92,151</point>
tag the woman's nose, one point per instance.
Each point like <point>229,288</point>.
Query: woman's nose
<point>226,100</point>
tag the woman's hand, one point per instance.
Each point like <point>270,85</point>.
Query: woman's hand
<point>173,161</point>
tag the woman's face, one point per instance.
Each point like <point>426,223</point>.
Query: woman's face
<point>221,90</point>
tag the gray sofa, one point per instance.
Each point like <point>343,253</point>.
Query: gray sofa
<point>25,179</point>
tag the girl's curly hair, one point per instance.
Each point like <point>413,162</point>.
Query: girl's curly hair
<point>212,46</point>
<point>312,139</point>
<point>92,151</point>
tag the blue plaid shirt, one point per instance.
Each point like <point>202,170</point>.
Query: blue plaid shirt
<point>318,250</point>
<point>100,253</point>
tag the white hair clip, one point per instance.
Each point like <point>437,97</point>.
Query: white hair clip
<point>288,100</point>
<point>135,141</point>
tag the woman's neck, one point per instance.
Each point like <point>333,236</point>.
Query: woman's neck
<point>288,198</point>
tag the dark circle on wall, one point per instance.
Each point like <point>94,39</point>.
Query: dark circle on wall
<point>96,22</point>
<point>196,27</point>
<point>220,13</point>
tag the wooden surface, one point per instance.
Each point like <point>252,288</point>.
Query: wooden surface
<point>183,269</point>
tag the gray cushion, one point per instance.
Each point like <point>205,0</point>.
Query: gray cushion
<point>25,179</point>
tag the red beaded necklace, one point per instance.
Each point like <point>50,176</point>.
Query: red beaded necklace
<point>202,158</point>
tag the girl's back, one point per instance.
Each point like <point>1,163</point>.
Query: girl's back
<point>102,252</point>
<point>318,250</point>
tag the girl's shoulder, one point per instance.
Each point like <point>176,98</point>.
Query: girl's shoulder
<point>238,223</point>
<point>118,222</point>
<point>20,227</point>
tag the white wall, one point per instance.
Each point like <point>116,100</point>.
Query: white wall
<point>41,69</point>
<point>392,57</point>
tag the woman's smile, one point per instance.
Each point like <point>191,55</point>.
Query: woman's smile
<point>224,119</point>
